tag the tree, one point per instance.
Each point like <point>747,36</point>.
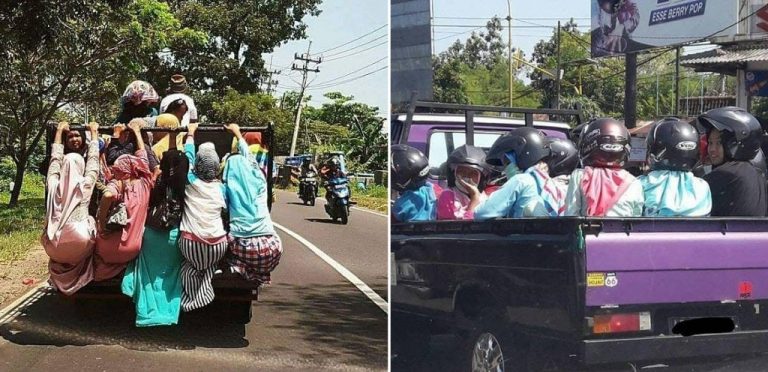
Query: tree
<point>57,53</point>
<point>476,71</point>
<point>238,32</point>
<point>366,144</point>
<point>255,109</point>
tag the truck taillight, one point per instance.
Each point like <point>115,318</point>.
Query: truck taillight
<point>617,323</point>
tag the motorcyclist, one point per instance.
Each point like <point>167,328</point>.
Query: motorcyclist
<point>305,168</point>
<point>561,163</point>
<point>330,172</point>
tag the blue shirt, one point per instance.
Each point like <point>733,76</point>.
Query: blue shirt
<point>675,194</point>
<point>245,190</point>
<point>519,197</point>
<point>416,205</point>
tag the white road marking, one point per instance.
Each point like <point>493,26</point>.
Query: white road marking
<point>13,309</point>
<point>370,293</point>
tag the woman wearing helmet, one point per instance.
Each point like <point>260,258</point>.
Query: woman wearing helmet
<point>733,140</point>
<point>603,188</point>
<point>521,152</point>
<point>670,188</point>
<point>561,163</point>
<point>409,170</point>
<point>466,163</point>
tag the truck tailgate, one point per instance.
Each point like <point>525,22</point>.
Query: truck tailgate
<point>624,267</point>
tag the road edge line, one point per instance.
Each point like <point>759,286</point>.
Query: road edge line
<point>352,278</point>
<point>7,313</point>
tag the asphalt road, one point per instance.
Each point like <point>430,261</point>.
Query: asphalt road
<point>310,318</point>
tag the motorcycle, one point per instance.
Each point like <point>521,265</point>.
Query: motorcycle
<point>337,199</point>
<point>308,188</point>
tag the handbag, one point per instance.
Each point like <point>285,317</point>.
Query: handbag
<point>117,217</point>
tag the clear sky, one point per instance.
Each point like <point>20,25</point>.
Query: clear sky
<point>341,22</point>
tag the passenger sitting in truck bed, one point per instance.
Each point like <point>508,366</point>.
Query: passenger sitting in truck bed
<point>68,234</point>
<point>130,186</point>
<point>418,200</point>
<point>465,163</point>
<point>522,153</point>
<point>137,101</point>
<point>203,241</point>
<point>255,249</point>
<point>734,138</point>
<point>670,188</point>
<point>561,163</point>
<point>603,188</point>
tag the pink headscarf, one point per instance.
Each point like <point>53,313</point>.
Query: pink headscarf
<point>64,195</point>
<point>603,187</point>
<point>129,167</point>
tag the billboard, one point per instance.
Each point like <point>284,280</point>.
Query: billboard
<point>411,54</point>
<point>625,26</point>
<point>757,83</point>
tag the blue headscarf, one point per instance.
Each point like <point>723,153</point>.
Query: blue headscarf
<point>675,194</point>
<point>245,190</point>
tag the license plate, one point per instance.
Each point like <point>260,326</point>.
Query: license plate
<point>340,187</point>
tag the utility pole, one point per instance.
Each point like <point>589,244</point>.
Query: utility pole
<point>630,91</point>
<point>509,50</point>
<point>270,81</point>
<point>677,81</point>
<point>305,70</point>
<point>557,78</point>
<point>657,94</point>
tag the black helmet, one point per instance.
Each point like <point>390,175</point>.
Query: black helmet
<point>604,143</point>
<point>672,144</point>
<point>575,133</point>
<point>529,145</point>
<point>409,167</point>
<point>564,158</point>
<point>471,156</point>
<point>741,132</point>
<point>305,161</point>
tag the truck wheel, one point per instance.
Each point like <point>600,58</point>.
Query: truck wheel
<point>490,347</point>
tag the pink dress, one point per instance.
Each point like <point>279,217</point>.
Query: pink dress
<point>69,231</point>
<point>115,250</point>
<point>453,205</point>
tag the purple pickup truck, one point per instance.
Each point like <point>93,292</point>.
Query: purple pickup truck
<point>572,293</point>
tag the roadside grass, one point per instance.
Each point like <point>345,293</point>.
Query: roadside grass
<point>20,227</point>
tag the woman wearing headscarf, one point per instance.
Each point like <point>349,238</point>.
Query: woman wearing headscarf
<point>131,184</point>
<point>203,241</point>
<point>68,235</point>
<point>137,101</point>
<point>255,249</point>
<point>162,144</point>
<point>153,280</point>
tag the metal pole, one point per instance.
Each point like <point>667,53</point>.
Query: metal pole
<point>509,50</point>
<point>677,81</point>
<point>657,93</point>
<point>701,97</point>
<point>630,91</point>
<point>557,73</point>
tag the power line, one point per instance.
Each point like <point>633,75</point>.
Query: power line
<point>353,72</point>
<point>356,46</point>
<point>358,52</point>
<point>353,40</point>
<point>525,18</point>
<point>348,80</point>
<point>501,26</point>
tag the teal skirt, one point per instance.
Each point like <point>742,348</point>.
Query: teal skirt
<point>153,279</point>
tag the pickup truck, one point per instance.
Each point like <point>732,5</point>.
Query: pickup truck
<point>233,293</point>
<point>573,293</point>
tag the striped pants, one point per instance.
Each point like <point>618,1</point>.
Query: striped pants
<point>197,270</point>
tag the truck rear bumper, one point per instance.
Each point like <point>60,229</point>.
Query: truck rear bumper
<point>660,348</point>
